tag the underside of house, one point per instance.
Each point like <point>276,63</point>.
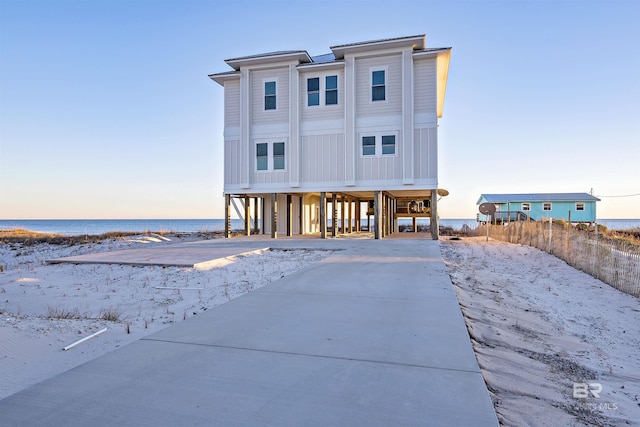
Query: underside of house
<point>332,213</point>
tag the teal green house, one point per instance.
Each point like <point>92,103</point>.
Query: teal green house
<point>574,207</point>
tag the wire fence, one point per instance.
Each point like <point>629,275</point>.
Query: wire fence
<point>615,262</point>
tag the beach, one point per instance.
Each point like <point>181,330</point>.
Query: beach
<point>537,325</point>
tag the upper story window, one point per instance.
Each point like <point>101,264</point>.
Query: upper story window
<point>322,91</point>
<point>331,90</point>
<point>546,206</point>
<point>526,207</point>
<point>313,91</point>
<point>269,95</point>
<point>579,206</point>
<point>378,85</point>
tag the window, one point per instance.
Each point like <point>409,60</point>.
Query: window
<point>313,91</point>
<point>526,207</point>
<point>373,145</point>
<point>322,91</point>
<point>546,206</point>
<point>262,156</point>
<point>388,144</point>
<point>278,155</point>
<point>368,145</point>
<point>270,156</point>
<point>579,206</point>
<point>269,95</point>
<point>331,90</point>
<point>378,85</point>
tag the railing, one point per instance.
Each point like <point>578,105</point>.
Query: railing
<point>615,262</point>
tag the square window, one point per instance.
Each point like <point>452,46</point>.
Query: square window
<point>378,86</point>
<point>278,155</point>
<point>526,207</point>
<point>262,157</point>
<point>546,206</point>
<point>313,91</point>
<point>579,206</point>
<point>368,145</point>
<point>331,90</point>
<point>270,95</point>
<point>388,144</point>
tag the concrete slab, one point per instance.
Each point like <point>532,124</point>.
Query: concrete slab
<point>373,335</point>
<point>169,255</point>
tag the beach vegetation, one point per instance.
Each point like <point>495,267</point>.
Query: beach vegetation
<point>60,312</point>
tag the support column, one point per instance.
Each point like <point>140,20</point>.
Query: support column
<point>300,218</point>
<point>357,215</point>
<point>264,224</point>
<point>350,215</point>
<point>415,227</point>
<point>377,220</point>
<point>227,218</point>
<point>255,213</point>
<point>247,216</point>
<point>323,215</point>
<point>289,215</point>
<point>343,221</point>
<point>334,215</point>
<point>274,215</point>
<point>434,215</point>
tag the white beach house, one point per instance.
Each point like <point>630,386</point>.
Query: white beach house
<point>308,138</point>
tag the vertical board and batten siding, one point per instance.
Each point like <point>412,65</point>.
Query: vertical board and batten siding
<point>323,158</point>
<point>258,113</point>
<point>426,154</point>
<point>424,83</point>
<point>232,103</point>
<point>232,164</point>
<point>321,112</point>
<point>392,106</point>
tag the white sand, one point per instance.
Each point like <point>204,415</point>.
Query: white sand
<point>31,343</point>
<point>538,326</point>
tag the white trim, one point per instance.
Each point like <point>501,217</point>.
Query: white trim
<point>528,207</point>
<point>583,206</point>
<point>550,207</point>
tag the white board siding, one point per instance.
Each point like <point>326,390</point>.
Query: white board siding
<point>424,79</point>
<point>232,103</point>
<point>323,158</point>
<point>232,163</point>
<point>321,112</point>
<point>281,221</point>
<point>393,82</point>
<point>425,154</point>
<point>257,80</point>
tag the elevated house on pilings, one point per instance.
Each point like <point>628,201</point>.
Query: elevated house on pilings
<point>353,131</point>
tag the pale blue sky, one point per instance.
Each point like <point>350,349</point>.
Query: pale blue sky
<point>106,110</point>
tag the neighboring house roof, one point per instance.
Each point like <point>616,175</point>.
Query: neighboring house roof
<point>321,59</point>
<point>537,197</point>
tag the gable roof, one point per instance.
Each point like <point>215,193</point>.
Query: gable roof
<point>537,197</point>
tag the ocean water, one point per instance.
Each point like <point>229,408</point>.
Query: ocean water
<point>75,227</point>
